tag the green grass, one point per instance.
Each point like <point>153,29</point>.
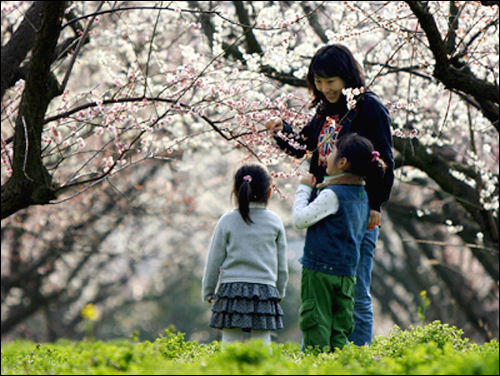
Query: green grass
<point>432,350</point>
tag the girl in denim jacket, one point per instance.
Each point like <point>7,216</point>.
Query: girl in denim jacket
<point>336,221</point>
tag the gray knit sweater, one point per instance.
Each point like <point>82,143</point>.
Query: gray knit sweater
<point>254,253</point>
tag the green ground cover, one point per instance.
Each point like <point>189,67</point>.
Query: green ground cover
<point>435,349</point>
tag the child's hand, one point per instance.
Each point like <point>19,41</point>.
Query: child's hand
<point>374,219</point>
<point>308,179</point>
<point>210,299</point>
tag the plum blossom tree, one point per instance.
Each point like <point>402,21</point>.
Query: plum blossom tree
<point>93,91</point>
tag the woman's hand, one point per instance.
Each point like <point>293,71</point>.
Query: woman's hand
<point>374,219</point>
<point>308,179</point>
<point>274,124</point>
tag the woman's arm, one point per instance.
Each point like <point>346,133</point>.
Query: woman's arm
<point>287,139</point>
<point>380,134</point>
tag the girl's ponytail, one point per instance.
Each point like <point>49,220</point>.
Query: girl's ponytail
<point>244,195</point>
<point>251,184</point>
<point>377,166</point>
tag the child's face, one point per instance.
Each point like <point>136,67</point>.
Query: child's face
<point>334,167</point>
<point>330,87</point>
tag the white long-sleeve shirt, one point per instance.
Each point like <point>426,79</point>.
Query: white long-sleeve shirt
<point>254,253</point>
<point>306,214</point>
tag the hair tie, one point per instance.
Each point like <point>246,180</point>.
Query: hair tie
<point>247,178</point>
<point>375,154</point>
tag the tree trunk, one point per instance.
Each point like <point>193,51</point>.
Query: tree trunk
<point>31,183</point>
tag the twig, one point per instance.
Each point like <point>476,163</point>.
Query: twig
<point>79,46</point>
<point>443,244</point>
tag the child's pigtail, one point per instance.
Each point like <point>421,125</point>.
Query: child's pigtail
<point>244,195</point>
<point>377,165</point>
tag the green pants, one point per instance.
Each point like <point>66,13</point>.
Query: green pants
<point>326,311</point>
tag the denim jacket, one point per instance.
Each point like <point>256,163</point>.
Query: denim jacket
<point>332,244</point>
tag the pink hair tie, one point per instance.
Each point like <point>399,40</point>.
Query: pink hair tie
<point>248,178</point>
<point>375,154</point>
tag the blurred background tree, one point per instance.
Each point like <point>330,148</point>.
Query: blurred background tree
<point>123,122</point>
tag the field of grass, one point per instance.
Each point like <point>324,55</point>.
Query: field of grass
<point>436,349</point>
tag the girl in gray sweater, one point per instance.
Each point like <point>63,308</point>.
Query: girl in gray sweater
<point>247,258</point>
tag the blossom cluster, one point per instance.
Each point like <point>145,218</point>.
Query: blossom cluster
<point>399,106</point>
<point>350,95</point>
<point>404,133</point>
<point>143,101</point>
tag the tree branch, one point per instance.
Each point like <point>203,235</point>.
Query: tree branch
<point>312,17</point>
<point>253,45</point>
<point>437,167</point>
<point>20,43</point>
<point>460,78</point>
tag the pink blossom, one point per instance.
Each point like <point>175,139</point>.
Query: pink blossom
<point>131,75</point>
<point>194,26</point>
<point>81,142</point>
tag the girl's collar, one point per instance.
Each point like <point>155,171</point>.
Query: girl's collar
<point>256,205</point>
<point>344,178</point>
<point>340,174</point>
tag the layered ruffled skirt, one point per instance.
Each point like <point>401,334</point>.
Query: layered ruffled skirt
<point>250,306</point>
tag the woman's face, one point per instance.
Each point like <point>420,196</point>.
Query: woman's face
<point>330,87</point>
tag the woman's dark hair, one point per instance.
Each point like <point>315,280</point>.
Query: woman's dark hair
<point>362,157</point>
<point>251,184</point>
<point>331,61</point>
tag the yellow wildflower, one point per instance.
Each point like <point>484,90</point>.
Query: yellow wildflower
<point>90,312</point>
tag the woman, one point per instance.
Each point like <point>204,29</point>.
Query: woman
<point>332,70</point>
